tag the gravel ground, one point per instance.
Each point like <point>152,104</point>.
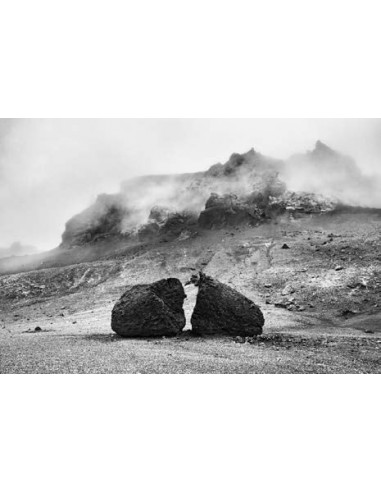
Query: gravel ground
<point>89,346</point>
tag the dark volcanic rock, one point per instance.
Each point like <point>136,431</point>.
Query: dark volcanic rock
<point>165,223</point>
<point>250,208</point>
<point>148,231</point>
<point>222,310</point>
<point>228,210</point>
<point>177,223</point>
<point>150,310</point>
<point>242,164</point>
<point>100,220</point>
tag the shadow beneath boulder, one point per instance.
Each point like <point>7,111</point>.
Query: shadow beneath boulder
<point>103,337</point>
<point>114,337</point>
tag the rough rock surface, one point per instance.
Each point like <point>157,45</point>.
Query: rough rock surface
<point>150,310</point>
<point>222,310</point>
<point>177,223</point>
<point>100,220</point>
<point>227,210</point>
<point>250,208</point>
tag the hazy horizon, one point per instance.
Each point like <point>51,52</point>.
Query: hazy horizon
<point>51,169</point>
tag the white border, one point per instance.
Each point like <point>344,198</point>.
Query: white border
<point>189,59</point>
<point>176,58</point>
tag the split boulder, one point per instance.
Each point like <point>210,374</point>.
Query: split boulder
<point>150,310</point>
<point>220,309</point>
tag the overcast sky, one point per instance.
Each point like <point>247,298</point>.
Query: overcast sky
<point>51,169</point>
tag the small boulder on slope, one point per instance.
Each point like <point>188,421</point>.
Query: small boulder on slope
<point>220,309</point>
<point>150,310</point>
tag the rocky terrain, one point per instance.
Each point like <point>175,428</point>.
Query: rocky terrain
<point>310,261</point>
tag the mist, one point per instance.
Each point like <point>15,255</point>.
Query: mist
<point>51,169</point>
<point>335,176</point>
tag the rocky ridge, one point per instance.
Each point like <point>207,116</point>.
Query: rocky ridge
<point>249,189</point>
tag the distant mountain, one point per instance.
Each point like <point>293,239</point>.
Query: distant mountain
<point>248,189</point>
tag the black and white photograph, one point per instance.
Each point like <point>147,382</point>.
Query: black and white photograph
<point>190,245</point>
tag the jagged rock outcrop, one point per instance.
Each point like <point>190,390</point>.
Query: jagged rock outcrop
<point>220,309</point>
<point>256,181</point>
<point>177,223</point>
<point>306,203</point>
<point>150,310</point>
<point>249,162</point>
<point>165,223</point>
<point>250,209</point>
<point>247,190</point>
<point>228,210</point>
<point>100,220</point>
